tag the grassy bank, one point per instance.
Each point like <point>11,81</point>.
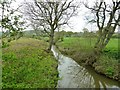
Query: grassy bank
<point>0,65</point>
<point>80,48</point>
<point>27,65</point>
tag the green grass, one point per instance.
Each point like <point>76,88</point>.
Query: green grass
<point>75,41</point>
<point>111,49</point>
<point>77,48</point>
<point>80,48</point>
<point>113,44</point>
<point>27,65</point>
<point>0,65</point>
<point>87,44</point>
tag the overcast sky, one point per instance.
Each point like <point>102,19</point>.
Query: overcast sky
<point>78,22</point>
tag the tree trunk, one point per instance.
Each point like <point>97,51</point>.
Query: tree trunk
<point>102,42</point>
<point>51,40</point>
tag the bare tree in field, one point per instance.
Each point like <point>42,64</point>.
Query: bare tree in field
<point>51,15</point>
<point>107,18</point>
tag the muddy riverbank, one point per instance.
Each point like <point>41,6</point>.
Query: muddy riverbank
<point>73,75</point>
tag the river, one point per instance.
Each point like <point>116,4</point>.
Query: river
<point>73,75</point>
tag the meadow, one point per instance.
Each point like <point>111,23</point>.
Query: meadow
<point>79,48</point>
<point>26,64</point>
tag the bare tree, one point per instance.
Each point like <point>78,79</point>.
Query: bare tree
<point>51,15</point>
<point>107,18</point>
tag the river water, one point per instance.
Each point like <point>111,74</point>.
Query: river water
<point>73,75</point>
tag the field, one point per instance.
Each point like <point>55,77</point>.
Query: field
<point>26,64</point>
<point>80,48</point>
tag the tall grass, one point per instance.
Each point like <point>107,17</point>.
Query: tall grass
<point>27,65</point>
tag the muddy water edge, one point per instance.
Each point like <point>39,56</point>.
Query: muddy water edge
<point>73,75</point>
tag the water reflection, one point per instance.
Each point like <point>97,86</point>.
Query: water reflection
<point>75,76</point>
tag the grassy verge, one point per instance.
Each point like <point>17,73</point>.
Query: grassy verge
<point>0,65</point>
<point>80,48</point>
<point>27,65</point>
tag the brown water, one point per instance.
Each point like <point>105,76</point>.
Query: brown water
<point>73,75</point>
